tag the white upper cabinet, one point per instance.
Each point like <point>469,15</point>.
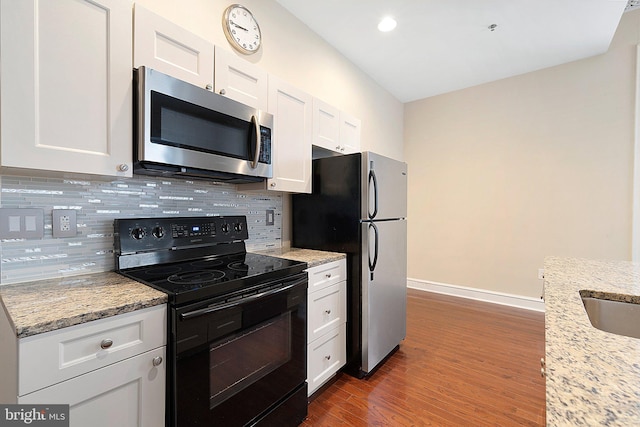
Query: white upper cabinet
<point>335,130</point>
<point>291,109</point>
<point>240,80</point>
<point>66,85</point>
<point>349,133</point>
<point>291,139</point>
<point>166,47</point>
<point>326,125</point>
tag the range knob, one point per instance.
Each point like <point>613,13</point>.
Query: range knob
<point>238,227</point>
<point>138,233</point>
<point>225,228</point>
<point>158,232</point>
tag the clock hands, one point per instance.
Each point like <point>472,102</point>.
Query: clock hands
<point>238,26</point>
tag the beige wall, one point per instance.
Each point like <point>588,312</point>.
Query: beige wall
<point>505,173</point>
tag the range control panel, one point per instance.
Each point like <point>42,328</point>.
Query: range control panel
<point>149,234</point>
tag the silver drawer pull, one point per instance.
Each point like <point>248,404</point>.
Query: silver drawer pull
<point>106,343</point>
<point>157,361</point>
<point>328,357</point>
<point>327,311</point>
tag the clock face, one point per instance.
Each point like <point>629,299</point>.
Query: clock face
<point>241,29</point>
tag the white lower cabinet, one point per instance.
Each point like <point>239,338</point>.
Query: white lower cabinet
<point>326,325</point>
<point>128,393</point>
<point>110,371</point>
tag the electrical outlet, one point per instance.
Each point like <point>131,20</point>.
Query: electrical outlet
<point>270,217</point>
<point>541,273</point>
<point>64,223</point>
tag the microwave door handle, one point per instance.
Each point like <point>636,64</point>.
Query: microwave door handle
<point>258,146</point>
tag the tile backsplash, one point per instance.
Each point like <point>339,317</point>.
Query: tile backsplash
<point>98,202</point>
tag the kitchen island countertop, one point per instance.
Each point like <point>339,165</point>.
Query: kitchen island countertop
<point>312,257</point>
<point>592,377</point>
<point>46,305</point>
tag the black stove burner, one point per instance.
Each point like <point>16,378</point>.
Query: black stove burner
<point>238,266</point>
<point>162,271</point>
<point>198,277</point>
<point>208,263</point>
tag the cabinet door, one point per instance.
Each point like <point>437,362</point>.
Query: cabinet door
<point>325,356</point>
<point>130,393</point>
<point>326,126</point>
<point>166,47</point>
<point>291,109</point>
<point>240,80</point>
<point>349,133</point>
<point>66,84</point>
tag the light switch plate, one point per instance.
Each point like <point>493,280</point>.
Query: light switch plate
<point>270,217</point>
<point>18,223</point>
<point>64,223</point>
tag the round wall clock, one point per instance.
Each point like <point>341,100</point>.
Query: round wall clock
<point>241,29</point>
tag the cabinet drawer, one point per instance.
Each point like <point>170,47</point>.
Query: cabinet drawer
<point>325,356</point>
<point>56,356</point>
<point>327,274</point>
<point>326,310</point>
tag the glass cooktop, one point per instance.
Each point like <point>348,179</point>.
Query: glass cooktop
<point>215,275</point>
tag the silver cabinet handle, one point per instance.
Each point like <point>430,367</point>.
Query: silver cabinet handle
<point>542,362</point>
<point>209,86</point>
<point>157,361</point>
<point>123,167</point>
<point>106,343</point>
<point>542,372</point>
<point>222,91</point>
<point>273,184</point>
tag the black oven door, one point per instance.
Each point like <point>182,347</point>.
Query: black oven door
<point>241,362</point>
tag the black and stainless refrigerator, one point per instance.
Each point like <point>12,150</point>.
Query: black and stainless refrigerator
<point>359,206</point>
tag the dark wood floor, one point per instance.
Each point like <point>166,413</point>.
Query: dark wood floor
<point>463,363</point>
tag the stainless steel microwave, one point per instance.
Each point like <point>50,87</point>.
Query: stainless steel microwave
<point>181,129</point>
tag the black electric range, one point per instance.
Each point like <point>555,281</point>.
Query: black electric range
<point>236,323</point>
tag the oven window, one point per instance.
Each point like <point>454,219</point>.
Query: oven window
<point>238,361</point>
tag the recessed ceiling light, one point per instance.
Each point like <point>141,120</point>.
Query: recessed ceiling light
<point>387,24</point>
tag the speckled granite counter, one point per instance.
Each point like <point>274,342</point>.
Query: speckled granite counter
<point>45,305</point>
<point>310,256</point>
<point>592,377</point>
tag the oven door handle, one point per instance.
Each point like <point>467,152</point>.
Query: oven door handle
<point>213,309</point>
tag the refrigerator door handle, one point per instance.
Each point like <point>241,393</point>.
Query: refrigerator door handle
<point>372,263</point>
<point>373,180</point>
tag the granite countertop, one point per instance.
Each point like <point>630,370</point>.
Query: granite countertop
<point>592,376</point>
<point>46,305</point>
<point>312,257</point>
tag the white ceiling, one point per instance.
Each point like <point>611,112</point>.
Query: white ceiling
<point>445,45</point>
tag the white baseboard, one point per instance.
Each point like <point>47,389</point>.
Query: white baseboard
<point>528,303</point>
